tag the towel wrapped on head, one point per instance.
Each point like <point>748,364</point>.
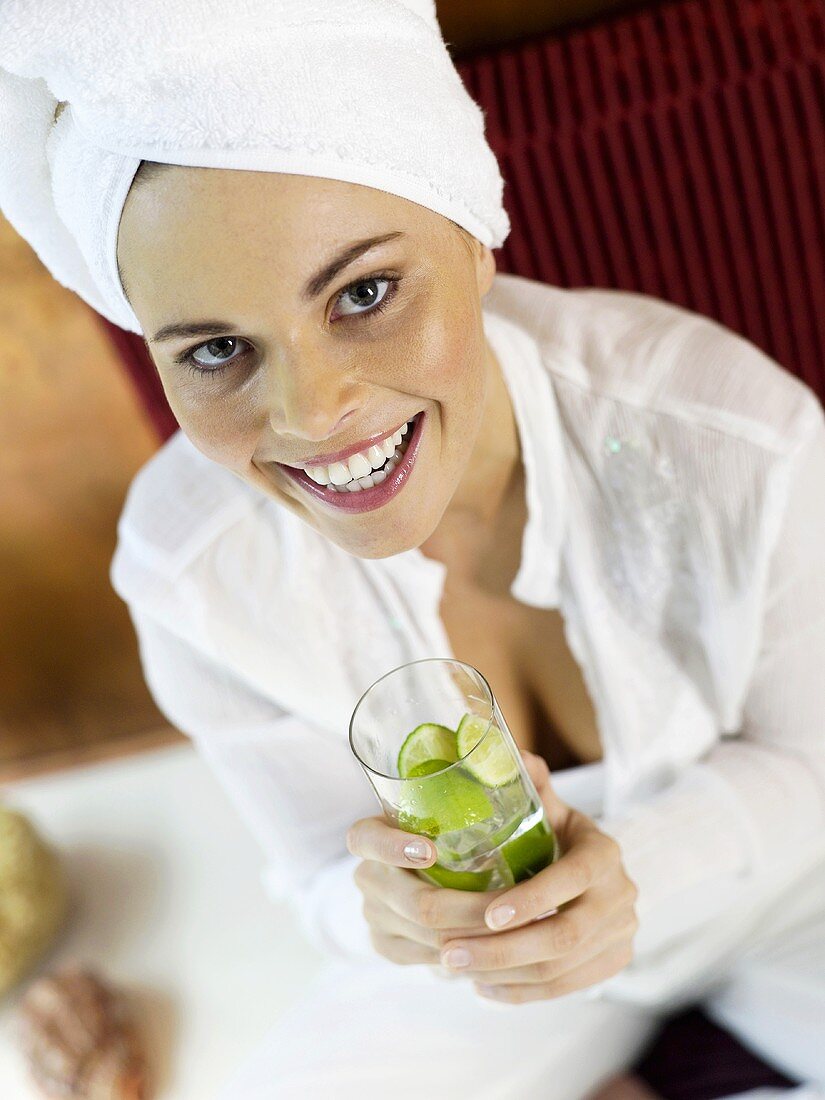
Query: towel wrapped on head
<point>366,93</point>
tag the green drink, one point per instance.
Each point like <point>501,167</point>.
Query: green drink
<point>460,780</point>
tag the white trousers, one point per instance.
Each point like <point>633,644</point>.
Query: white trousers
<point>374,1030</point>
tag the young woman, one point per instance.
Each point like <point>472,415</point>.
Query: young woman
<point>611,506</point>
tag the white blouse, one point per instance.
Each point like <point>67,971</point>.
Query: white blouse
<point>675,480</point>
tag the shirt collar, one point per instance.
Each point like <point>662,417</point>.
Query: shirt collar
<point>539,427</point>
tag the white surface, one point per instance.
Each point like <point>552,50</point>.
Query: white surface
<point>167,901</point>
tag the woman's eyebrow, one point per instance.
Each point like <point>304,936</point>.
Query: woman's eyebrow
<point>321,279</point>
<point>317,283</point>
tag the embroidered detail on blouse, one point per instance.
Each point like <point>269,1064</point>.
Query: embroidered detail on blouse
<point>646,521</point>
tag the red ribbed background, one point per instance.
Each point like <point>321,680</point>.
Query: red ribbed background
<point>678,150</point>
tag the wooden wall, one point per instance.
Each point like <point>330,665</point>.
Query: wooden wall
<point>470,25</point>
<point>72,436</point>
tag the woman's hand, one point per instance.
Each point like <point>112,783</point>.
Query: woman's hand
<point>587,941</point>
<point>409,919</point>
<point>412,921</point>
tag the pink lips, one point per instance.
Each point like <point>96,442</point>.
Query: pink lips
<point>342,456</point>
<point>366,499</point>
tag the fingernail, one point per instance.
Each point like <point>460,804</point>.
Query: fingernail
<point>456,956</point>
<point>501,915</point>
<point>417,850</point>
<point>487,990</point>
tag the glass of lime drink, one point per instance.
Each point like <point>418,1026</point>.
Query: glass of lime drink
<point>437,751</point>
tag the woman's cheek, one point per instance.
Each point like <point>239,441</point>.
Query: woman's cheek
<point>443,359</point>
<point>217,430</point>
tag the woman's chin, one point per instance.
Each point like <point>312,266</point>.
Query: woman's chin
<point>377,548</point>
<point>381,542</point>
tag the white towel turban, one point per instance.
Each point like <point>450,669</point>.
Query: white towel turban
<point>356,90</point>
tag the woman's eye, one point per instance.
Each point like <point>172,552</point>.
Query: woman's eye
<point>217,353</point>
<point>365,293</point>
<point>364,297</point>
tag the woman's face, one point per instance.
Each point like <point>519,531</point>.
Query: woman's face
<point>282,369</point>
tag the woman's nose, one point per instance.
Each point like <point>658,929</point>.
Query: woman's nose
<point>313,404</point>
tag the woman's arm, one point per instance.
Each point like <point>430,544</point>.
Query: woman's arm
<point>297,787</point>
<point>755,803</point>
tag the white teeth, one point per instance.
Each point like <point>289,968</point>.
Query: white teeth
<point>318,474</point>
<point>339,473</point>
<point>376,456</point>
<point>353,487</point>
<point>358,466</point>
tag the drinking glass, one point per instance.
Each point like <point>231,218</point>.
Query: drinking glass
<point>435,746</point>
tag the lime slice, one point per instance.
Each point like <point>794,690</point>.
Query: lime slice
<point>428,767</point>
<point>500,835</point>
<point>531,852</point>
<point>492,762</point>
<point>427,742</point>
<point>436,804</point>
<point>457,880</point>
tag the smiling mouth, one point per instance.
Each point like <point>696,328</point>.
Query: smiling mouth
<point>368,479</point>
<point>365,468</point>
<point>396,445</point>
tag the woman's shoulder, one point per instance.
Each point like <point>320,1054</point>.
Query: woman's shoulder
<point>660,357</point>
<point>178,505</point>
